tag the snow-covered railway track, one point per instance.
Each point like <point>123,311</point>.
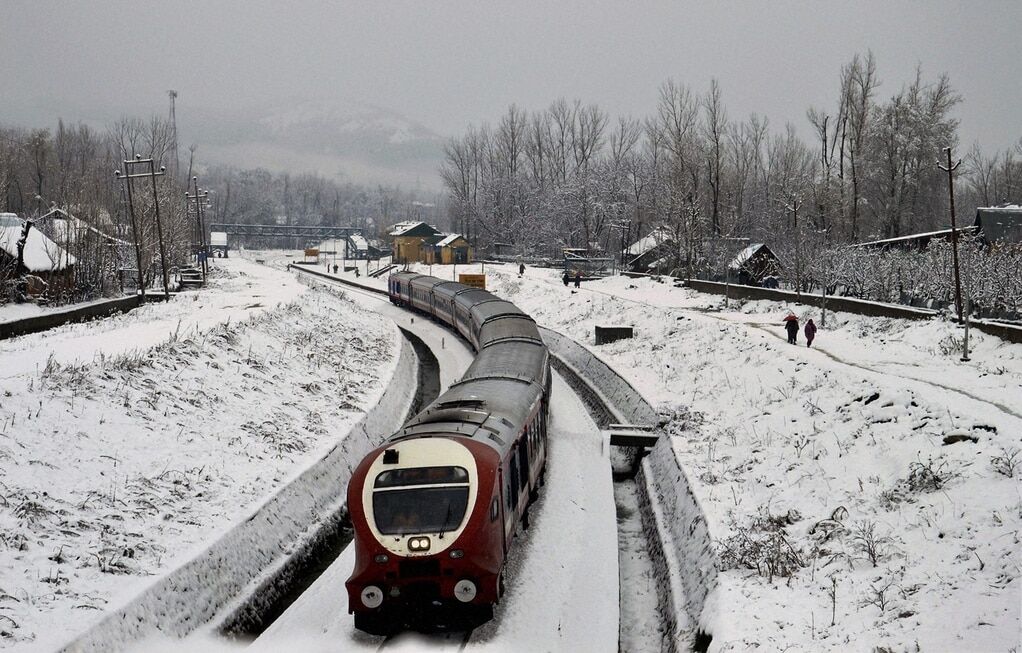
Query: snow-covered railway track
<point>452,641</point>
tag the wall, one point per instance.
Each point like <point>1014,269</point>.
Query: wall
<point>681,549</point>
<point>59,316</point>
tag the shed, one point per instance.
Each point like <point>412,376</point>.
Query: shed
<point>754,263</point>
<point>1000,224</point>
<point>454,248</point>
<point>652,252</point>
<point>41,257</point>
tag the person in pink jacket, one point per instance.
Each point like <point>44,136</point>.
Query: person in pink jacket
<point>810,332</point>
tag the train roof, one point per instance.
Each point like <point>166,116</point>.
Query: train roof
<point>510,359</point>
<point>500,308</point>
<point>405,275</point>
<point>508,327</point>
<point>450,288</point>
<point>474,296</point>
<point>485,409</point>
<point>424,281</point>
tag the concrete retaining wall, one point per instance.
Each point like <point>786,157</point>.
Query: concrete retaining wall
<point>59,316</point>
<point>845,304</point>
<point>240,560</point>
<point>849,305</point>
<point>682,553</point>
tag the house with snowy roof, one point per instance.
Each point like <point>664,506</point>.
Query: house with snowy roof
<point>451,249</point>
<point>753,264</point>
<point>27,253</point>
<point>651,252</point>
<point>413,240</point>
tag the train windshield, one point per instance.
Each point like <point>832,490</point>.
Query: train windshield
<point>420,509</point>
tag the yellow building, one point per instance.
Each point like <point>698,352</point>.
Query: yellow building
<point>411,241</point>
<point>453,248</point>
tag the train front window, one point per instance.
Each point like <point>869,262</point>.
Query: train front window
<point>420,509</point>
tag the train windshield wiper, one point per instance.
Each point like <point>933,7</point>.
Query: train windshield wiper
<point>447,518</point>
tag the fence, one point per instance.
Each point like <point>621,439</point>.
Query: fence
<point>59,316</point>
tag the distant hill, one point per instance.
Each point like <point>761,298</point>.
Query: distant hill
<point>348,141</point>
<point>352,142</point>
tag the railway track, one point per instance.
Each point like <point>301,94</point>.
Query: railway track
<point>627,546</point>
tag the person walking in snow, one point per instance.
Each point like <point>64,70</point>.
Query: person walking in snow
<point>565,278</point>
<point>791,325</point>
<point>335,268</point>
<point>521,269</point>
<point>810,332</point>
<point>578,278</point>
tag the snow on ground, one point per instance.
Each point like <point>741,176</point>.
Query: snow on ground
<point>569,552</point>
<point>128,443</point>
<point>842,518</point>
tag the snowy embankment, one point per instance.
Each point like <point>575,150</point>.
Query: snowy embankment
<point>129,443</point>
<point>859,493</point>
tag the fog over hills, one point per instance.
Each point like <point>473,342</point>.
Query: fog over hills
<point>348,141</point>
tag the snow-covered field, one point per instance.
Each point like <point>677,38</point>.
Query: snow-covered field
<point>861,493</point>
<point>128,443</point>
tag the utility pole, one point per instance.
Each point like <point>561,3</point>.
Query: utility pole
<point>949,169</point>
<point>174,161</point>
<point>199,198</point>
<point>152,174</point>
<point>135,232</point>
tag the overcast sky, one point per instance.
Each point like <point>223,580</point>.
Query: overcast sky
<point>448,64</point>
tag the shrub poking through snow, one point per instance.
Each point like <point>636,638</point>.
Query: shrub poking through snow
<point>928,476</point>
<point>869,544</point>
<point>763,545</point>
<point>1008,463</point>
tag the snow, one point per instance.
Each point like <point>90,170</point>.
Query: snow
<point>128,444</point>
<point>775,439</point>
<point>40,254</point>
<point>817,450</point>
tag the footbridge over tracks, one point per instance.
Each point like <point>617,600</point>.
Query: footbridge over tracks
<point>284,234</point>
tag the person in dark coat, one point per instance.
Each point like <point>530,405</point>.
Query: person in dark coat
<point>565,278</point>
<point>810,333</point>
<point>521,269</point>
<point>791,324</point>
<point>335,268</point>
<point>578,278</point>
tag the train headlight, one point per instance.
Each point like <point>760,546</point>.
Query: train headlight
<point>418,544</point>
<point>372,597</point>
<point>465,590</point>
<point>381,558</point>
<point>457,553</point>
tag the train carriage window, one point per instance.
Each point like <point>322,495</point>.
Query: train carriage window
<point>523,465</point>
<point>512,488</point>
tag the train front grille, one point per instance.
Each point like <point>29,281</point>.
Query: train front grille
<point>424,568</point>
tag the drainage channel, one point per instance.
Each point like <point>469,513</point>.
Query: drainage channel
<point>285,585</point>
<point>640,627</point>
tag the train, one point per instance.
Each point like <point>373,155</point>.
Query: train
<point>436,508</point>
